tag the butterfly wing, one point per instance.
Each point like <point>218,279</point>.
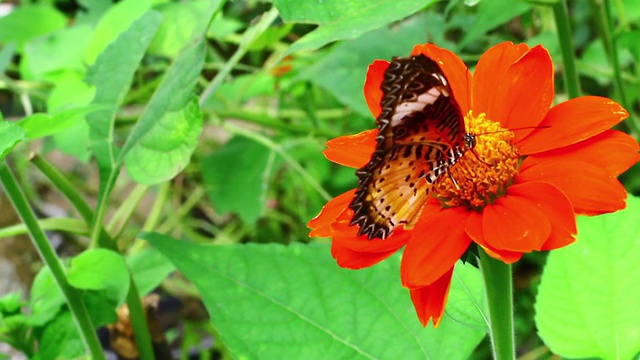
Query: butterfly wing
<point>421,132</point>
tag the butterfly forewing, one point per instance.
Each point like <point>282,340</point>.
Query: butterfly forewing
<point>421,134</point>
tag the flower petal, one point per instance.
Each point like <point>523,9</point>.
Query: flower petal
<point>352,251</point>
<point>352,150</point>
<point>514,86</point>
<point>347,236</point>
<point>454,69</point>
<point>430,301</point>
<point>557,208</point>
<point>372,85</point>
<point>434,247</point>
<point>351,259</point>
<point>474,230</point>
<point>516,224</point>
<point>590,190</point>
<point>612,150</point>
<point>321,224</point>
<point>571,122</point>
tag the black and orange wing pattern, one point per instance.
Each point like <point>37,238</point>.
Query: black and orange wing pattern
<point>421,134</point>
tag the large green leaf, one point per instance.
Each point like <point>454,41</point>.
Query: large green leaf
<point>68,44</point>
<point>587,306</point>
<point>115,21</point>
<point>294,302</point>
<point>236,177</point>
<point>343,19</point>
<point>46,298</point>
<point>161,143</point>
<point>60,339</point>
<point>178,27</point>
<point>342,73</point>
<point>112,74</point>
<point>28,22</point>
<point>100,269</point>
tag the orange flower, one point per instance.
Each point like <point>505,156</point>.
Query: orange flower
<point>523,196</point>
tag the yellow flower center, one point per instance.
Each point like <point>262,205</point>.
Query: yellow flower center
<point>485,171</point>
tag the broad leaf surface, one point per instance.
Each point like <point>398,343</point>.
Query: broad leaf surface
<point>149,268</point>
<point>60,339</point>
<point>100,269</point>
<point>161,143</point>
<point>115,21</point>
<point>29,22</point>
<point>272,301</point>
<point>587,306</point>
<point>236,177</point>
<point>45,299</point>
<point>112,74</point>
<point>342,72</point>
<point>343,19</point>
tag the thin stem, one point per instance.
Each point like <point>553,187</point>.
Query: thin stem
<point>571,79</point>
<point>64,186</point>
<point>278,149</point>
<point>499,292</point>
<point>48,255</point>
<point>126,210</point>
<point>275,123</point>
<point>138,318</point>
<point>248,38</point>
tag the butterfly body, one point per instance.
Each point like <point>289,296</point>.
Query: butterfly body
<point>421,135</point>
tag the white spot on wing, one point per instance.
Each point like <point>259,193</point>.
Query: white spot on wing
<point>423,100</point>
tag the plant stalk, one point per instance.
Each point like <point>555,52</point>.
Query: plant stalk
<point>499,292</point>
<point>72,296</point>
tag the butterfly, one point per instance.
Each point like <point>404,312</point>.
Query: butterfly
<point>421,135</point>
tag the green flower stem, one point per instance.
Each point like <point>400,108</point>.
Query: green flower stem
<point>571,79</point>
<point>499,291</point>
<point>48,255</point>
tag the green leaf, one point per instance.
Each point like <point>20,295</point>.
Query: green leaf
<point>236,177</point>
<point>29,22</point>
<point>342,72</point>
<point>587,305</point>
<point>60,339</point>
<point>161,143</point>
<point>178,26</point>
<point>343,19</point>
<point>492,14</point>
<point>68,45</point>
<point>112,74</point>
<point>46,298</point>
<point>277,302</point>
<point>41,124</point>
<point>149,268</point>
<point>100,269</point>
<point>116,21</point>
<point>10,135</point>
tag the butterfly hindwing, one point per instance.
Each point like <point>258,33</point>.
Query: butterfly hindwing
<point>421,132</point>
